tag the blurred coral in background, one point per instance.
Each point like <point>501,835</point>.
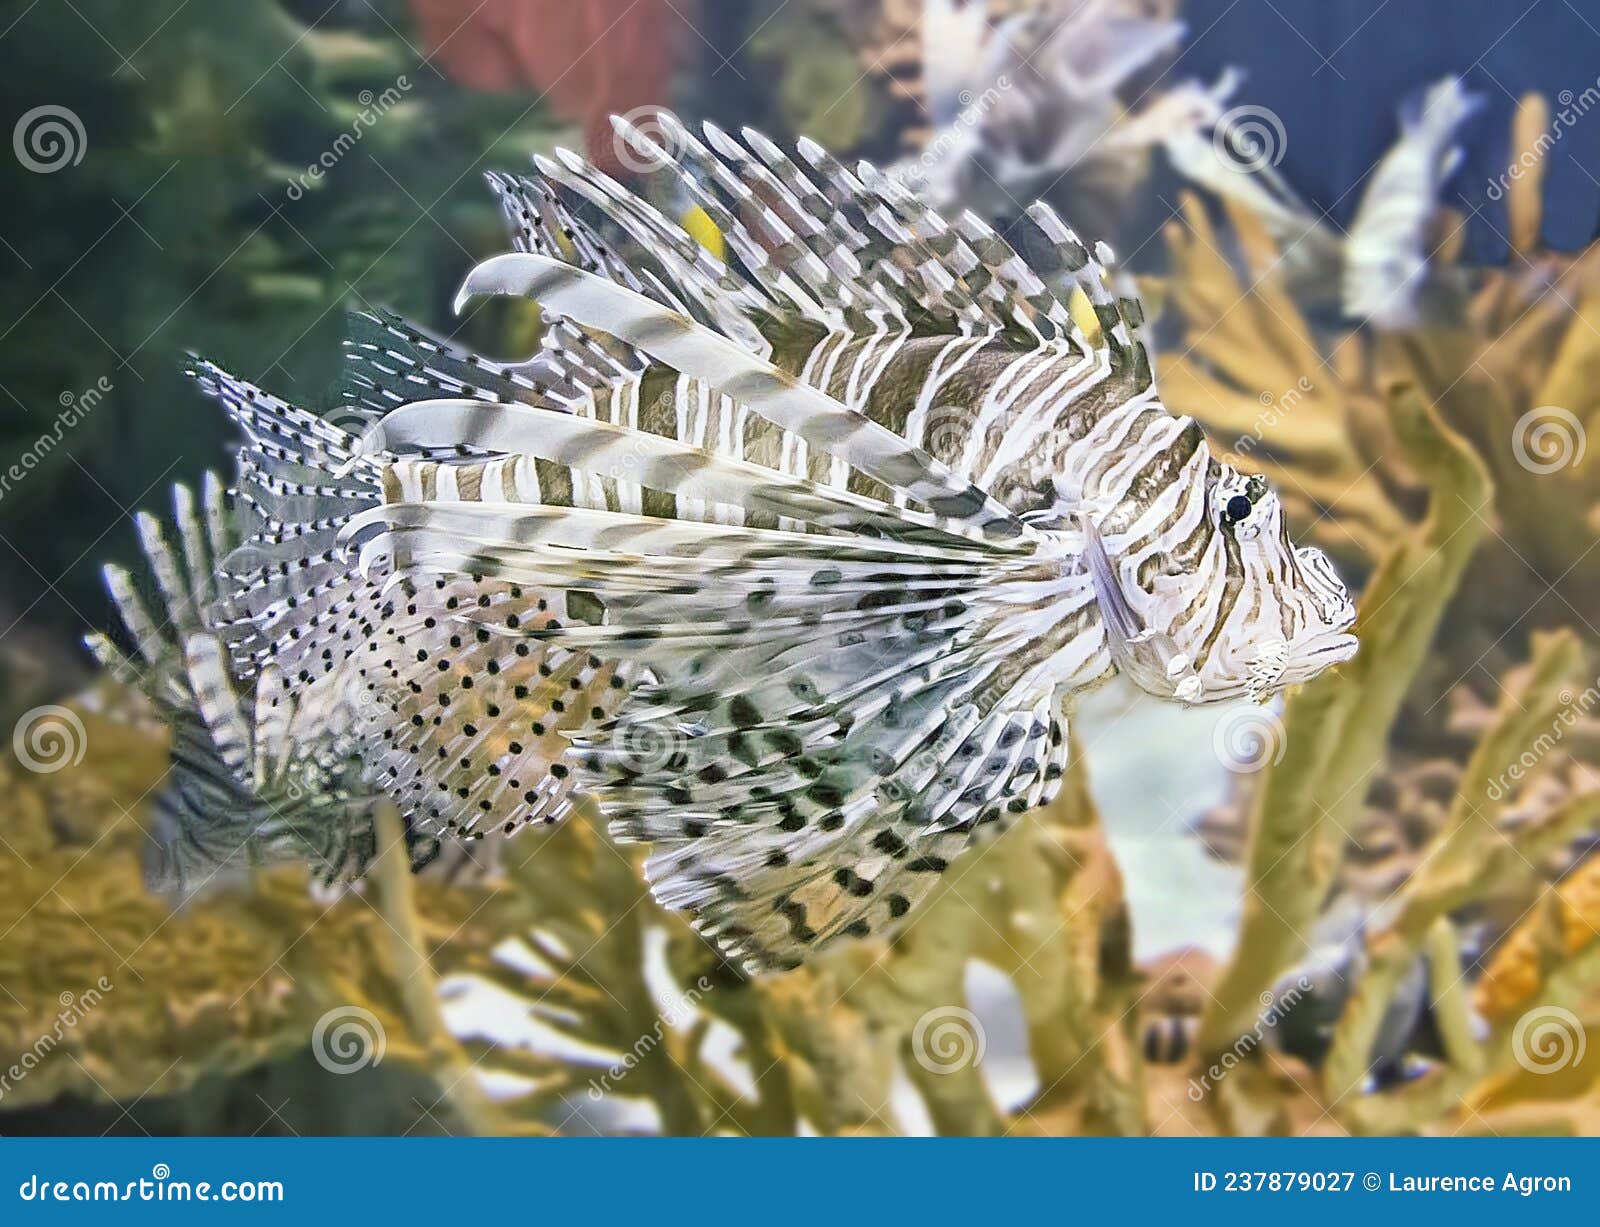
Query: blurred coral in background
<point>585,61</point>
<point>1372,908</point>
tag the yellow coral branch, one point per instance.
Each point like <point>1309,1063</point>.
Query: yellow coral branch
<point>419,987</point>
<point>1469,851</point>
<point>1336,727</point>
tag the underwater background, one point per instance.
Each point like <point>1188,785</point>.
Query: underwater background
<point>1362,232</point>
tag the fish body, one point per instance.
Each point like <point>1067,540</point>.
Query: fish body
<point>792,563</point>
<point>1387,249</point>
<point>1036,109</point>
<point>1379,271</point>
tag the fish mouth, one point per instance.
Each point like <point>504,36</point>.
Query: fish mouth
<point>1318,653</point>
<point>1330,647</point>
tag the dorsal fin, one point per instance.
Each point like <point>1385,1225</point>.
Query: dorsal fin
<point>801,410</point>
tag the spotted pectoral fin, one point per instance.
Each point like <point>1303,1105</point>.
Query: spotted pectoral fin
<point>843,837</point>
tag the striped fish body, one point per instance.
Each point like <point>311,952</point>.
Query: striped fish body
<point>1003,419</point>
<point>1387,249</point>
<point>792,563</point>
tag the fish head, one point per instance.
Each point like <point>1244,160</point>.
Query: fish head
<point>1231,607</point>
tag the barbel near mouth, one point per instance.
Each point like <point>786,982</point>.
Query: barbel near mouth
<point>1334,645</point>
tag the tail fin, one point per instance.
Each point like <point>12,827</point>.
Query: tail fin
<point>1439,111</point>
<point>461,736</point>
<point>240,791</point>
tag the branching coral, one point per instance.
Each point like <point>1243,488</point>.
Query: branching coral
<point>246,973</point>
<point>1301,816</point>
<point>1336,728</point>
<point>1509,365</point>
<point>1459,811</point>
<point>113,994</point>
<point>821,1045</point>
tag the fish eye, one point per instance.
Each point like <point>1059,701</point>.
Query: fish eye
<point>1236,510</point>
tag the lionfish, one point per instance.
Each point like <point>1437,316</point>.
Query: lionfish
<point>1382,270</point>
<point>793,563</point>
